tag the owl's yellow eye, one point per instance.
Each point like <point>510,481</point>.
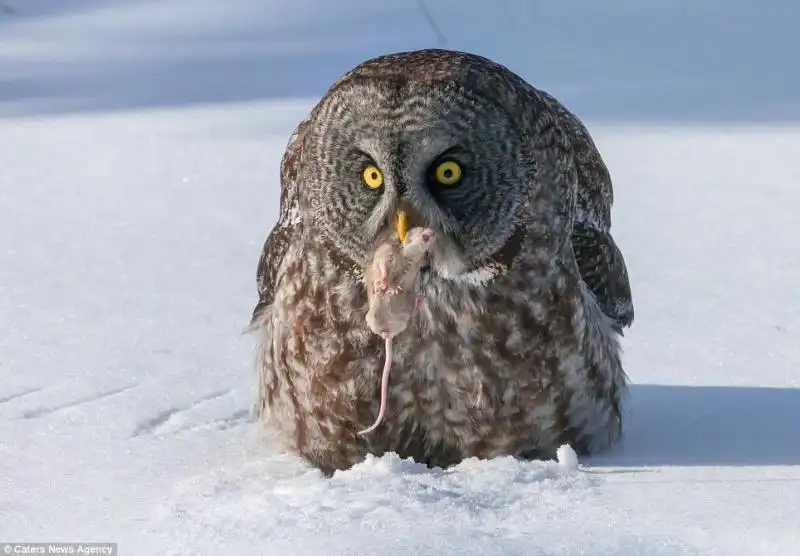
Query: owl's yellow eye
<point>373,177</point>
<point>448,173</point>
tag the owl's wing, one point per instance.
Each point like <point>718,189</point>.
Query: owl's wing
<point>603,270</point>
<point>600,261</point>
<point>285,228</point>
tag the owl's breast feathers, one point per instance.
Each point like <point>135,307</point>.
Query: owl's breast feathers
<point>504,368</point>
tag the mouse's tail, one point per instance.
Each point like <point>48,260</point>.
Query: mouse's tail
<point>384,385</point>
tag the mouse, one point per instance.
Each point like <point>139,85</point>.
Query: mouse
<point>391,299</point>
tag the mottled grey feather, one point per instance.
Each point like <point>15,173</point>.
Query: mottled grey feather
<point>286,227</point>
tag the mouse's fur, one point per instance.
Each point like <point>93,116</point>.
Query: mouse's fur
<point>392,301</point>
<point>390,279</point>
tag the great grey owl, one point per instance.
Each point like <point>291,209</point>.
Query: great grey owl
<point>515,348</point>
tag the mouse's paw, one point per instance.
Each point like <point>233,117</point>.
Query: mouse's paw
<point>395,290</point>
<point>382,283</point>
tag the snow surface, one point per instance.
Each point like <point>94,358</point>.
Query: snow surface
<point>140,147</point>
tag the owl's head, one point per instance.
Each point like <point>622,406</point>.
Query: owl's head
<point>401,142</point>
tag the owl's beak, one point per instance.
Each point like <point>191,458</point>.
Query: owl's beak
<point>401,224</point>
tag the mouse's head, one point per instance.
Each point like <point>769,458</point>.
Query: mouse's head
<point>419,241</point>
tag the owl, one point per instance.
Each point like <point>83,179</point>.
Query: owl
<point>514,349</point>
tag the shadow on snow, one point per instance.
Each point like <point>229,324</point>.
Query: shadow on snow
<point>708,425</point>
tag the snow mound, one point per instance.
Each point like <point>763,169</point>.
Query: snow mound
<point>390,504</point>
<point>567,457</point>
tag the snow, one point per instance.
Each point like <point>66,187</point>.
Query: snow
<point>140,147</point>
<point>567,457</point>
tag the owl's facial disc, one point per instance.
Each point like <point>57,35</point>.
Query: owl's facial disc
<point>383,156</point>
